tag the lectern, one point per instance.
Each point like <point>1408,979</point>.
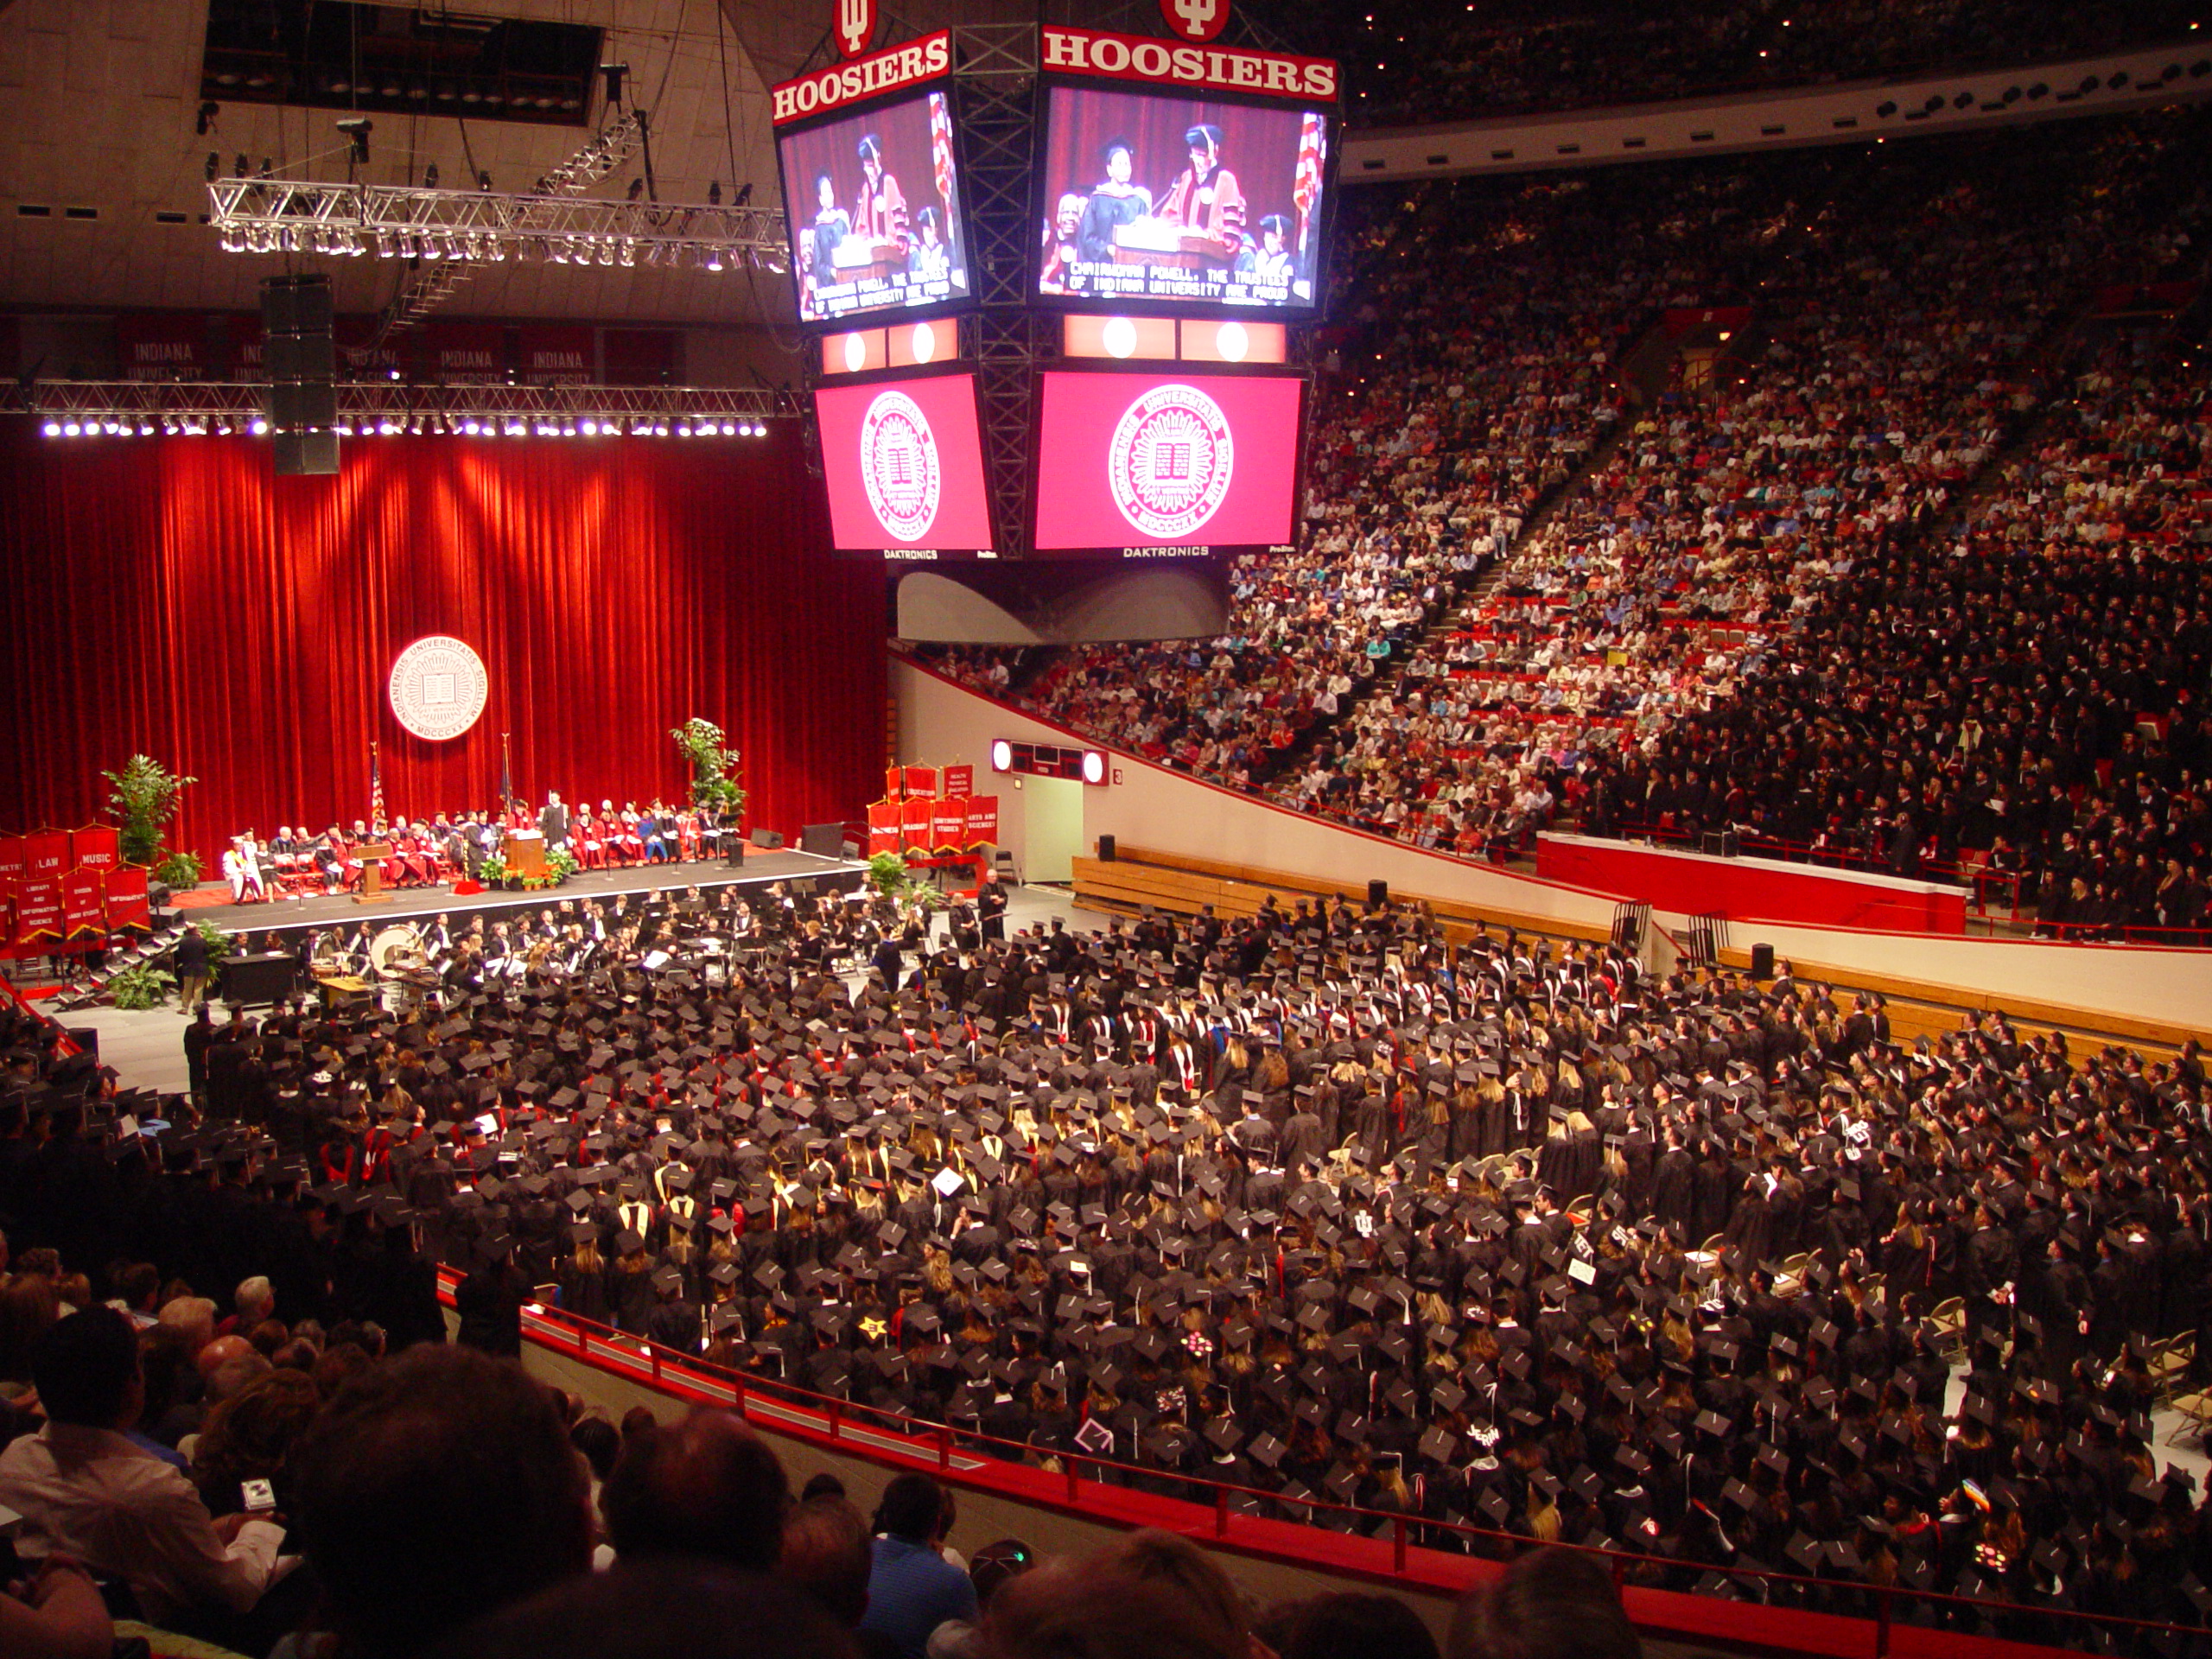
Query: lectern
<point>372,855</point>
<point>525,853</point>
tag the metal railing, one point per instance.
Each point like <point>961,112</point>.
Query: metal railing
<point>1419,1551</point>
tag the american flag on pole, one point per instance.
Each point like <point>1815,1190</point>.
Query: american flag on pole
<point>375,787</point>
<point>1306,182</point>
<point>941,151</point>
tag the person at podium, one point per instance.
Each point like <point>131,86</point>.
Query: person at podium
<point>832,224</point>
<point>879,215</point>
<point>1205,198</point>
<point>1114,201</point>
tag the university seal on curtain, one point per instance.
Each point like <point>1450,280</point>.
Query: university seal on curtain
<point>438,688</point>
<point>899,466</point>
<point>1170,461</point>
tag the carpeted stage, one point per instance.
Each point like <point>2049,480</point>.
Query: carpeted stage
<point>287,917</point>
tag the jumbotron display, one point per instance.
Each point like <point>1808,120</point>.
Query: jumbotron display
<point>875,210</point>
<point>1162,200</point>
<point>904,461</point>
<point>1163,462</point>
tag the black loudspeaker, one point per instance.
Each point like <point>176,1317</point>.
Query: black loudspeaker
<point>295,305</point>
<point>767,839</point>
<point>1762,961</point>
<point>305,454</point>
<point>157,895</point>
<point>1105,849</point>
<point>299,357</point>
<point>826,839</point>
<point>259,979</point>
<point>734,849</point>
<point>1378,893</point>
<point>293,404</point>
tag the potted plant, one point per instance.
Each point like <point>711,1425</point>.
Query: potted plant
<point>888,875</point>
<point>717,793</point>
<point>560,865</point>
<point>493,873</point>
<point>144,794</point>
<point>142,985</point>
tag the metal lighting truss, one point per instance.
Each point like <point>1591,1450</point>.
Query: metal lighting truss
<point>447,236</point>
<point>366,408</point>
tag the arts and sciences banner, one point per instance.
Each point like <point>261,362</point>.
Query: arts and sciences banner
<point>982,820</point>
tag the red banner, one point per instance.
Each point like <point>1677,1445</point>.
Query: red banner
<point>38,895</point>
<point>884,818</point>
<point>982,820</point>
<point>161,346</point>
<point>84,904</point>
<point>1132,57</point>
<point>948,825</point>
<point>916,819</point>
<point>13,852</point>
<point>960,781</point>
<point>127,902</point>
<point>97,846</point>
<point>361,356</point>
<point>555,355</point>
<point>921,780</point>
<point>243,347</point>
<point>466,353</point>
<point>641,357</point>
<point>859,78</point>
<point>894,784</point>
<point>46,855</point>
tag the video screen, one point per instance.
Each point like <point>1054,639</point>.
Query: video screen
<point>904,460</point>
<point>1163,463</point>
<point>1161,197</point>
<point>874,205</point>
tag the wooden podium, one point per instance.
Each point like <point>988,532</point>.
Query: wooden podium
<point>372,855</point>
<point>525,853</point>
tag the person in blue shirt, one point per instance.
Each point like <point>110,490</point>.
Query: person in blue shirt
<point>912,1589</point>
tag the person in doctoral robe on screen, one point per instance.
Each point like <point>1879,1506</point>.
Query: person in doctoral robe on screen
<point>1205,197</point>
<point>879,216</point>
<point>931,260</point>
<point>1114,202</point>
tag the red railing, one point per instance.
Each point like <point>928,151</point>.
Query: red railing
<point>1852,1619</point>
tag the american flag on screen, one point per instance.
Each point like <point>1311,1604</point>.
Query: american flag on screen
<point>375,787</point>
<point>1306,182</point>
<point>941,153</point>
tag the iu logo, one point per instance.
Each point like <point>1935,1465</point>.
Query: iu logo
<point>855,26</point>
<point>1170,461</point>
<point>1195,20</point>
<point>898,466</point>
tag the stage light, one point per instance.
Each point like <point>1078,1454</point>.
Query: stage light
<point>430,176</point>
<point>357,129</point>
<point>715,194</point>
<point>1002,754</point>
<point>260,429</point>
<point>1094,767</point>
<point>591,428</point>
<point>729,430</point>
<point>53,429</point>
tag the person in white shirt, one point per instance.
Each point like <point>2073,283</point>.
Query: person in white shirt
<point>86,1492</point>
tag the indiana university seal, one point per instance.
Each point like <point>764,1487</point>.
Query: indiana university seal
<point>899,466</point>
<point>1170,461</point>
<point>438,687</point>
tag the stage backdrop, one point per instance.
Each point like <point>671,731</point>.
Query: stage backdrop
<point>170,594</point>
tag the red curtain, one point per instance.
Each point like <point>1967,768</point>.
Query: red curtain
<point>172,595</point>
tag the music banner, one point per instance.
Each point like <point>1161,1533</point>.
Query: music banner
<point>83,903</point>
<point>921,780</point>
<point>99,847</point>
<point>883,821</point>
<point>916,820</point>
<point>128,904</point>
<point>982,820</point>
<point>959,782</point>
<point>948,825</point>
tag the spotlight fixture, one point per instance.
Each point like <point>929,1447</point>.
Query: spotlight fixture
<point>430,176</point>
<point>744,194</point>
<point>637,189</point>
<point>357,129</point>
<point>483,181</point>
<point>714,192</point>
<point>613,72</point>
<point>206,124</point>
<point>214,166</point>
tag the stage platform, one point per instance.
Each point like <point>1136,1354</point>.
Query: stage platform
<point>287,917</point>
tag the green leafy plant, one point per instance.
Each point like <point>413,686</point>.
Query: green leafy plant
<point>715,786</point>
<point>560,865</point>
<point>218,948</point>
<point>179,871</point>
<point>145,794</point>
<point>491,871</point>
<point>887,873</point>
<point>142,985</point>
